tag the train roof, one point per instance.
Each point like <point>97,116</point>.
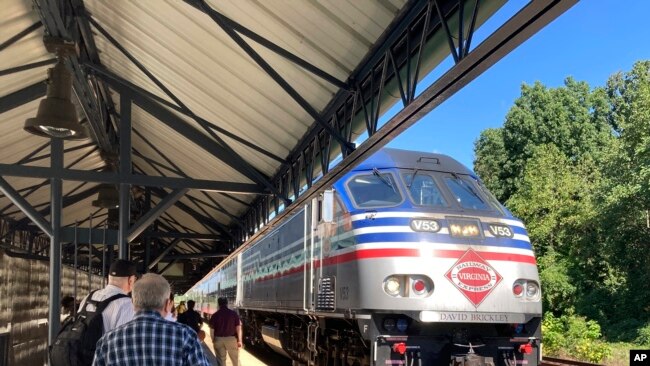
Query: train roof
<point>406,159</point>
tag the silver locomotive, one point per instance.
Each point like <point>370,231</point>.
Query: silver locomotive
<point>407,260</point>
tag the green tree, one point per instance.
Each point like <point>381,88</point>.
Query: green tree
<point>574,164</point>
<point>574,118</point>
<point>624,196</point>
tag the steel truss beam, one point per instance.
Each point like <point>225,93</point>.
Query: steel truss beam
<point>22,96</point>
<point>155,212</point>
<point>213,224</point>
<point>33,65</point>
<point>200,5</point>
<point>230,31</point>
<point>174,235</point>
<point>215,145</point>
<point>20,35</point>
<point>30,158</point>
<point>27,208</point>
<point>45,182</point>
<point>162,255</point>
<point>115,79</point>
<point>395,59</point>
<point>132,179</point>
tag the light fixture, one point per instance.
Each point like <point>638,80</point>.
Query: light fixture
<point>56,116</point>
<point>107,197</point>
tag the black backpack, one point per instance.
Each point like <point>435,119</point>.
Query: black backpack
<point>76,342</point>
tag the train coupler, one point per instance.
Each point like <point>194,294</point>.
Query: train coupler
<point>471,358</point>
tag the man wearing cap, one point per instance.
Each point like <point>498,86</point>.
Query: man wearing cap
<point>150,340</point>
<point>121,277</point>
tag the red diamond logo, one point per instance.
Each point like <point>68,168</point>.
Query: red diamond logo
<point>474,277</point>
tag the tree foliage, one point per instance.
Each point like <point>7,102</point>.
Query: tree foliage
<point>574,163</point>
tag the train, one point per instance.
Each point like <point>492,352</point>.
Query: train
<point>408,259</point>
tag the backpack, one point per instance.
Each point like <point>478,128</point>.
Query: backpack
<point>76,342</point>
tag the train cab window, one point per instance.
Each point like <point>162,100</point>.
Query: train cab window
<point>423,189</point>
<point>466,194</point>
<point>374,190</point>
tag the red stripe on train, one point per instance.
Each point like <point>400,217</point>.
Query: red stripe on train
<point>402,252</point>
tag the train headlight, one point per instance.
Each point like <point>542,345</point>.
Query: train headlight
<point>389,324</point>
<point>526,288</point>
<point>392,286</point>
<point>402,324</point>
<point>532,290</point>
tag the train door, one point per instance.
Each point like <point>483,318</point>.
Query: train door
<point>240,285</point>
<point>310,254</point>
<point>318,289</point>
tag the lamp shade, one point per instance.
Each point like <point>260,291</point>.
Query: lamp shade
<point>56,116</point>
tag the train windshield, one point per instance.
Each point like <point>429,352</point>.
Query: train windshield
<point>423,189</point>
<point>374,190</point>
<point>466,194</point>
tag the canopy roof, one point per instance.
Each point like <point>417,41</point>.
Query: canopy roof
<point>248,102</point>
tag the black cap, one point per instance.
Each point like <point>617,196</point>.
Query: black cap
<point>122,268</point>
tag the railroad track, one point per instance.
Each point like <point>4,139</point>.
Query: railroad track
<point>552,361</point>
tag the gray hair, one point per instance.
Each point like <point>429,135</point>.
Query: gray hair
<point>151,292</point>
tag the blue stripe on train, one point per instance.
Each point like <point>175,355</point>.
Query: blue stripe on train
<point>405,221</point>
<point>424,237</point>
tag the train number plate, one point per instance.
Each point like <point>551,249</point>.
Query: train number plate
<point>427,225</point>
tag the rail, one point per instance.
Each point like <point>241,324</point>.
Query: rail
<point>552,361</point>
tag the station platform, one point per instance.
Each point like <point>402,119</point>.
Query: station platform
<point>245,358</point>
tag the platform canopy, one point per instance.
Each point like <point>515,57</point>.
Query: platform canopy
<point>209,119</point>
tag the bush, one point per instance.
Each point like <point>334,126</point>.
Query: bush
<point>643,337</point>
<point>574,336</point>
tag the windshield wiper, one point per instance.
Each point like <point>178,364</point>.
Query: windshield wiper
<point>415,172</point>
<point>468,188</point>
<point>387,182</point>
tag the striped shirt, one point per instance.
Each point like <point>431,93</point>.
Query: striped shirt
<point>118,312</point>
<point>150,340</point>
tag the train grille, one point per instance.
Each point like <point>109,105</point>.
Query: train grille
<point>326,299</point>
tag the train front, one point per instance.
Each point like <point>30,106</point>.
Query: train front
<point>446,273</point>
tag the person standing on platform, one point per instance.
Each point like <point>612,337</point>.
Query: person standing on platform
<point>171,309</point>
<point>121,277</point>
<point>226,332</point>
<point>180,309</point>
<point>150,339</point>
<point>191,317</point>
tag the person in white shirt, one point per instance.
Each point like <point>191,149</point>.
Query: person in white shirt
<point>171,309</point>
<point>121,277</point>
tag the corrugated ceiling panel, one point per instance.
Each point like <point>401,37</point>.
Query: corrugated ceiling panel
<point>192,56</point>
<point>28,49</point>
<point>15,142</point>
<point>194,161</point>
<point>208,72</point>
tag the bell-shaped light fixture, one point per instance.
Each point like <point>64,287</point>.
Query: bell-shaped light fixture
<point>107,197</point>
<point>56,116</point>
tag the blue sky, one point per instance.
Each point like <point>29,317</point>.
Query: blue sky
<point>590,41</point>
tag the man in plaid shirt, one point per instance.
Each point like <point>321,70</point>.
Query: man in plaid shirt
<point>149,339</point>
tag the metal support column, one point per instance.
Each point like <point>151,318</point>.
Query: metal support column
<point>76,266</point>
<point>104,269</point>
<point>56,188</point>
<point>125,169</point>
<point>146,239</point>
<point>90,252</point>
